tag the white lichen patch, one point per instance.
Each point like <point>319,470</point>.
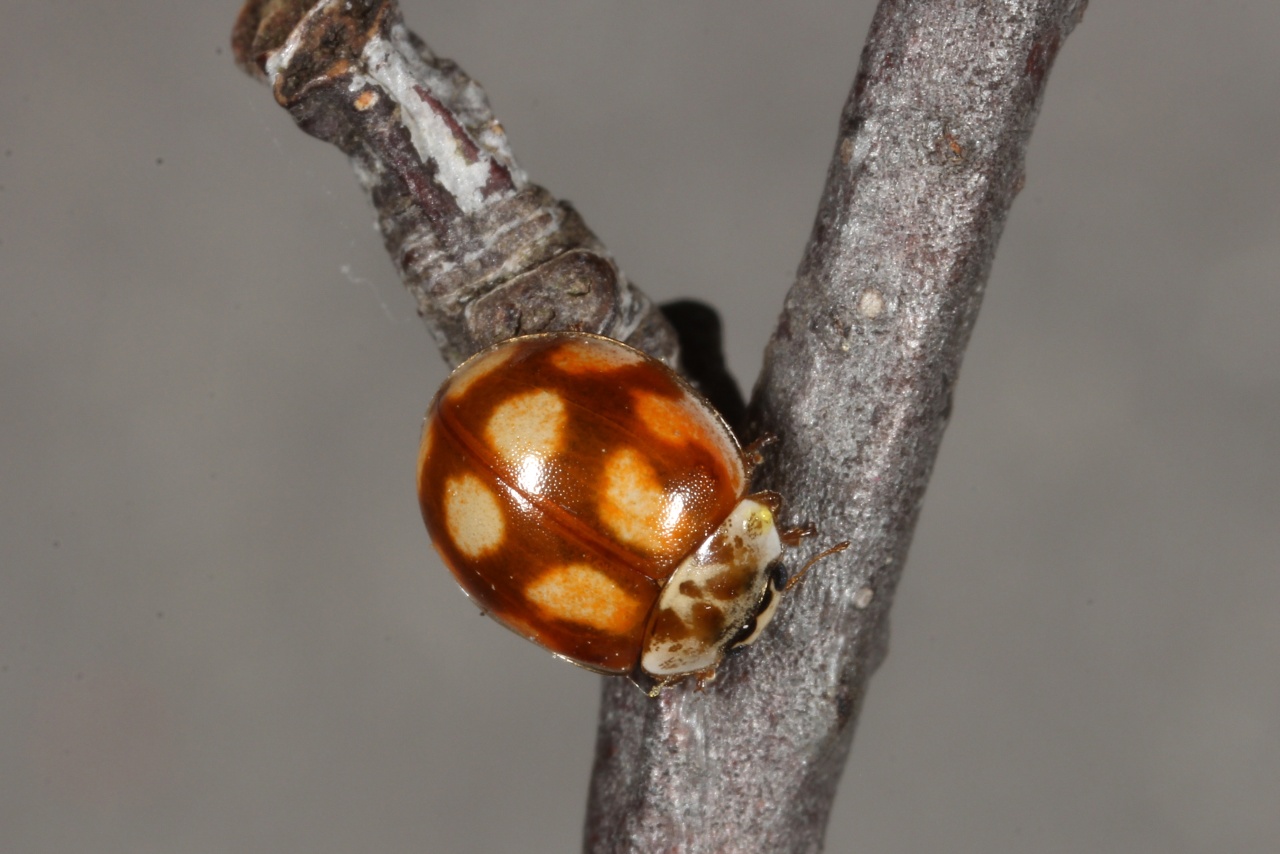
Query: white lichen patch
<point>527,425</point>
<point>473,517</point>
<point>279,60</point>
<point>633,503</point>
<point>432,136</point>
<point>579,593</point>
<point>395,65</point>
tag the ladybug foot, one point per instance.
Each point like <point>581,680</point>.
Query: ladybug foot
<point>792,537</point>
<point>753,454</point>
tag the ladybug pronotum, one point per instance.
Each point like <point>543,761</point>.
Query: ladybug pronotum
<point>586,497</point>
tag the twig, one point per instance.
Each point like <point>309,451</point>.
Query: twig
<point>858,377</point>
<point>857,383</point>
<point>487,254</point>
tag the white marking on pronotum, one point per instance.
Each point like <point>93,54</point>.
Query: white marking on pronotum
<point>751,525</point>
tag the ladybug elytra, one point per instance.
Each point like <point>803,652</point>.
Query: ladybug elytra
<point>586,497</point>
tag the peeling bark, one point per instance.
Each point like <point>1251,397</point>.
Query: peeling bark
<point>857,381</point>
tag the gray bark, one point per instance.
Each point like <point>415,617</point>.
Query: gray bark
<point>857,381</point>
<point>857,384</point>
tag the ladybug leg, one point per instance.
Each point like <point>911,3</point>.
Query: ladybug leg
<point>799,576</point>
<point>792,537</point>
<point>646,683</point>
<point>704,677</point>
<point>753,454</point>
<point>769,499</point>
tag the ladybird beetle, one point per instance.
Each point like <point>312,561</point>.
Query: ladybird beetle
<point>587,498</point>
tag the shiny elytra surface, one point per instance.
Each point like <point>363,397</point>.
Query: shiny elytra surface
<point>562,478</point>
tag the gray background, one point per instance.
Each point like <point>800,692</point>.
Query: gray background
<point>222,627</point>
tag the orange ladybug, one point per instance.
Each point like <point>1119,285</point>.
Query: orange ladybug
<point>587,498</point>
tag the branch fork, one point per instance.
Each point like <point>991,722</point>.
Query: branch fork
<point>858,376</point>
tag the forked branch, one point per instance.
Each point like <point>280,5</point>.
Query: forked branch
<point>857,382</point>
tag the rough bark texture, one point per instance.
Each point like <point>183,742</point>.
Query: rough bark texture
<point>857,381</point>
<point>486,254</point>
<point>857,384</point>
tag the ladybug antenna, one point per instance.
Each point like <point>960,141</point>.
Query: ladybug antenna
<point>799,576</point>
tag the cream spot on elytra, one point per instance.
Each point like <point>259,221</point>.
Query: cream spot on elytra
<point>529,425</point>
<point>582,594</point>
<point>633,503</point>
<point>671,419</point>
<point>472,516</point>
<point>589,356</point>
<point>685,421</point>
